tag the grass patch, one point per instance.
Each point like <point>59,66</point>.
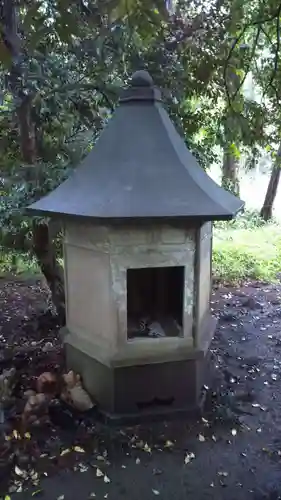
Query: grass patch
<point>247,253</point>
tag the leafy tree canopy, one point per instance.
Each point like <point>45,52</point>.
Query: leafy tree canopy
<point>62,63</point>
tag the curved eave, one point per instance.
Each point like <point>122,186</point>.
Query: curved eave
<point>33,211</point>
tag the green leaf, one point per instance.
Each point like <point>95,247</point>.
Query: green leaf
<point>234,151</point>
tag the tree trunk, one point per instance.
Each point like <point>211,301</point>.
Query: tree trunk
<point>42,240</point>
<point>51,269</point>
<point>230,171</point>
<point>27,131</point>
<point>267,208</point>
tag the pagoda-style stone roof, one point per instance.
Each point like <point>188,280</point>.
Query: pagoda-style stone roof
<point>139,168</point>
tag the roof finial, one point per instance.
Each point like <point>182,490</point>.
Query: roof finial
<point>141,78</point>
<point>141,88</point>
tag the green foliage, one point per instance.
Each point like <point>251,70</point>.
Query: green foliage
<point>17,263</point>
<point>72,58</point>
<point>70,76</point>
<point>247,249</point>
<point>15,228</point>
<point>248,219</point>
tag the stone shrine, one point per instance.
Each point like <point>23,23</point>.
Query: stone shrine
<point>137,217</point>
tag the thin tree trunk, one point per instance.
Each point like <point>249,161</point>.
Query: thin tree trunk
<point>51,269</point>
<point>42,240</point>
<point>27,131</point>
<point>267,208</point>
<point>230,172</point>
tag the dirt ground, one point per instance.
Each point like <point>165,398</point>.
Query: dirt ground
<point>233,452</point>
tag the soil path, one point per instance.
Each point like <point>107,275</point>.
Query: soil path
<point>234,452</point>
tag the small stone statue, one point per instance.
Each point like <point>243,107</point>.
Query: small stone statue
<point>36,409</point>
<point>37,405</point>
<point>74,394</point>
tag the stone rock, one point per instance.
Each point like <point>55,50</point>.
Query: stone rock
<point>74,394</point>
<point>36,410</point>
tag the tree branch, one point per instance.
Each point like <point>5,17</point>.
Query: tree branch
<point>257,22</point>
<point>187,33</point>
<point>267,35</point>
<point>277,55</point>
<point>250,62</point>
<point>86,86</point>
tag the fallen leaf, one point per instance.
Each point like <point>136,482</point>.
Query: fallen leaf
<point>137,461</point>
<point>19,472</point>
<point>169,444</point>
<point>201,438</point>
<point>78,449</point>
<point>64,452</point>
<point>234,432</point>
<point>36,493</point>
<point>106,495</point>
<point>92,495</point>
<point>106,479</point>
<point>188,457</point>
<point>274,376</point>
<point>99,473</point>
<point>214,438</point>
<point>83,468</point>
<point>100,458</point>
<point>61,497</point>
<point>16,434</point>
<point>27,435</point>
<point>147,448</point>
<point>222,473</point>
<point>7,497</point>
<point>156,492</point>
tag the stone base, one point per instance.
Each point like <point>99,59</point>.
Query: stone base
<point>132,393</point>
